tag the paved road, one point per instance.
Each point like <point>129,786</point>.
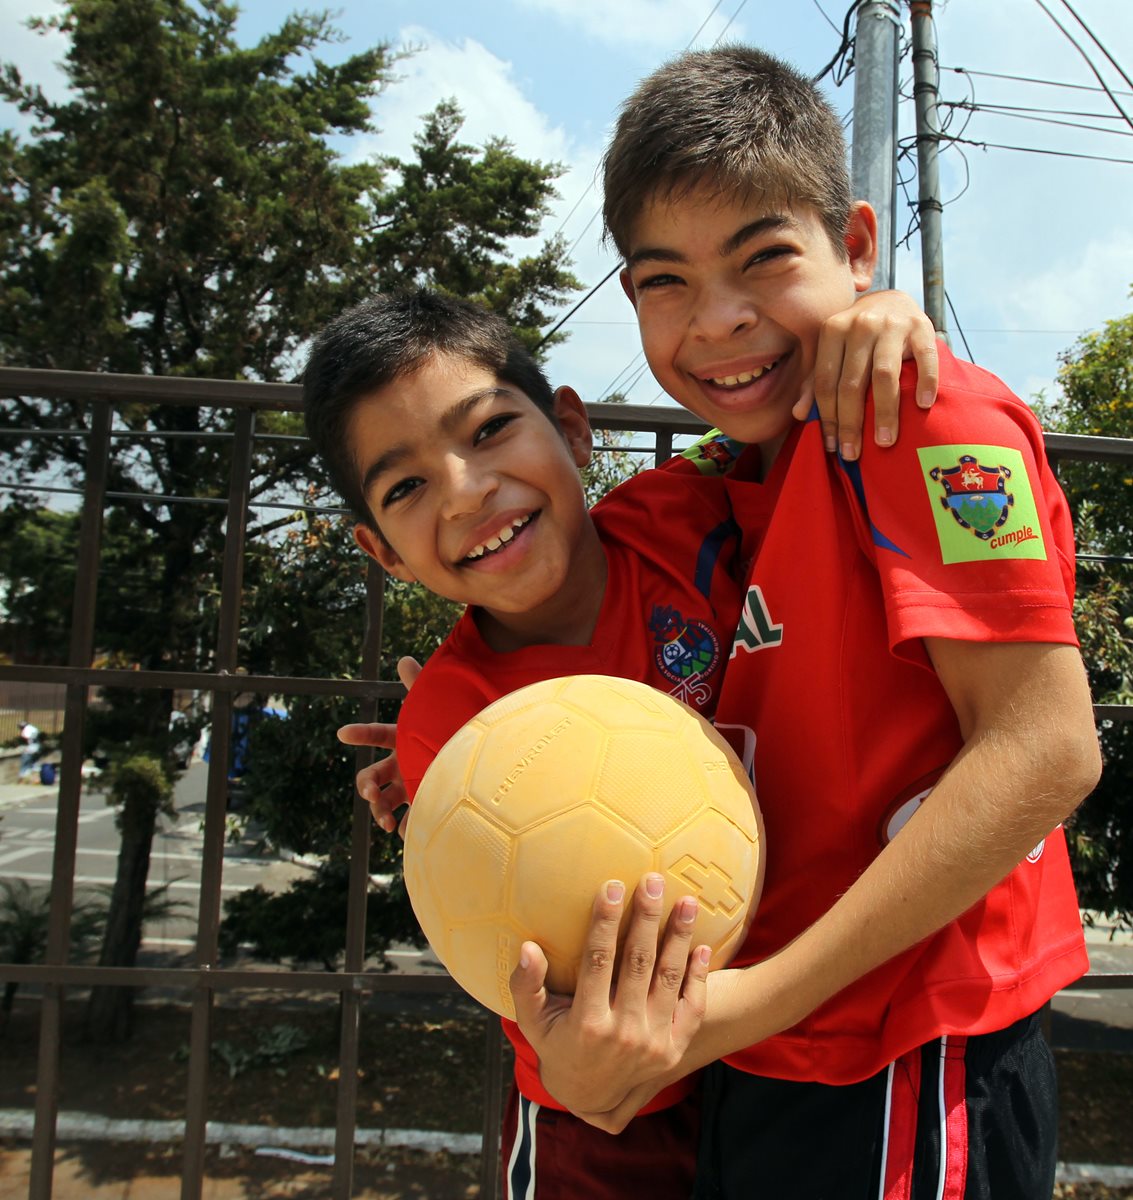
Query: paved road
<point>27,832</point>
<point>1088,1019</point>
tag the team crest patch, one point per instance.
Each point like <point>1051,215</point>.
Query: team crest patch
<point>714,453</point>
<point>686,652</point>
<point>982,502</point>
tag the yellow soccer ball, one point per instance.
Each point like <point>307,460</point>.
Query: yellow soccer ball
<point>554,789</point>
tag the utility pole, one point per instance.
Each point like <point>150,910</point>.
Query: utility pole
<point>929,207</point>
<point>873,163</point>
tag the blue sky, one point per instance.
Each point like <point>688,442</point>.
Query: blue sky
<point>1038,248</point>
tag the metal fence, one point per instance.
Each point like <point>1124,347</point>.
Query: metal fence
<point>98,396</point>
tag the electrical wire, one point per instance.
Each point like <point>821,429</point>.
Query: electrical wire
<point>843,49</point>
<point>825,16</point>
<point>1040,150</point>
<point>1011,114</point>
<point>1089,62</point>
<point>734,15</point>
<point>1075,87</point>
<point>1094,38</point>
<point>959,327</point>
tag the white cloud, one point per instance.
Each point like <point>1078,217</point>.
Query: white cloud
<point>36,55</point>
<point>647,23</point>
<point>1077,291</point>
<point>486,88</point>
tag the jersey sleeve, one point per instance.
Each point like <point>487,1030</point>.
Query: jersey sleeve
<point>444,697</point>
<point>965,521</point>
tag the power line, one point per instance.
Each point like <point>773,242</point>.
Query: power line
<point>705,22</point>
<point>1094,38</point>
<point>1024,115</point>
<point>1039,150</point>
<point>1089,62</point>
<point>570,313</point>
<point>1076,87</point>
<point>959,327</point>
<point>729,24</point>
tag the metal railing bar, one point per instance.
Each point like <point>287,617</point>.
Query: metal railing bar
<point>281,685</point>
<point>230,979</point>
<point>1085,447</point>
<point>224,682</point>
<point>67,814</point>
<point>346,1098</point>
<point>239,979</point>
<point>1101,982</point>
<point>278,397</point>
<point>216,803</point>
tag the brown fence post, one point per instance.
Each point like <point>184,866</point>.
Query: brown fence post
<point>216,804</point>
<point>70,795</point>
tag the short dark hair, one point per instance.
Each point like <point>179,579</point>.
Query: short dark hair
<point>732,119</point>
<point>391,336</point>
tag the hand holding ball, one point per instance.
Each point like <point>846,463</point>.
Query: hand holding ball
<point>554,789</point>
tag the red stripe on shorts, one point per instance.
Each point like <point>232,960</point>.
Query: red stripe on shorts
<point>903,1090</point>
<point>954,1124</point>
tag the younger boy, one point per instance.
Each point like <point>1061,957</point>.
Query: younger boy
<point>462,465</point>
<point>918,907</point>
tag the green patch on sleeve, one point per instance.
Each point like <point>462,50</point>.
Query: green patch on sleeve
<point>983,503</point>
<point>715,453</point>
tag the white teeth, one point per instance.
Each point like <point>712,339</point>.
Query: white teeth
<point>743,377</point>
<point>499,538</point>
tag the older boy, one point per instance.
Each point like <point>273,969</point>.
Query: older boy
<point>918,906</point>
<point>462,466</point>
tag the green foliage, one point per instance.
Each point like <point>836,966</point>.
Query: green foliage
<point>1096,398</point>
<point>449,221</point>
<point>139,786</point>
<point>272,1047</point>
<point>25,913</point>
<point>307,922</point>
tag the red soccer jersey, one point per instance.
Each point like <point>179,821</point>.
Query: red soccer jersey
<point>667,617</point>
<point>958,531</point>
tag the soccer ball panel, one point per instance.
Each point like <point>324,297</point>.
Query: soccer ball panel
<point>559,867</point>
<point>541,762</point>
<point>621,704</point>
<point>651,781</point>
<point>478,860</point>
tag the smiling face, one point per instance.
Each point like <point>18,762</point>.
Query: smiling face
<point>730,296</point>
<point>478,497</point>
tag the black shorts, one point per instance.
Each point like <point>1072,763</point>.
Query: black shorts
<point>547,1154</point>
<point>961,1118</point>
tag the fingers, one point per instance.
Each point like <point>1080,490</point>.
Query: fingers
<point>639,950</point>
<point>596,970</point>
<point>407,671</point>
<point>374,733</point>
<point>673,962</point>
<point>860,350</point>
<point>528,986</point>
<point>922,347</point>
<point>381,786</point>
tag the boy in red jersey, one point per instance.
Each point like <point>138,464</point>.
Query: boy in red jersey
<point>462,467</point>
<point>878,1029</point>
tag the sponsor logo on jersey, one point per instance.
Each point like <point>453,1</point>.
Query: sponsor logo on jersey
<point>982,502</point>
<point>714,453</point>
<point>904,804</point>
<point>686,653</point>
<point>756,630</point>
